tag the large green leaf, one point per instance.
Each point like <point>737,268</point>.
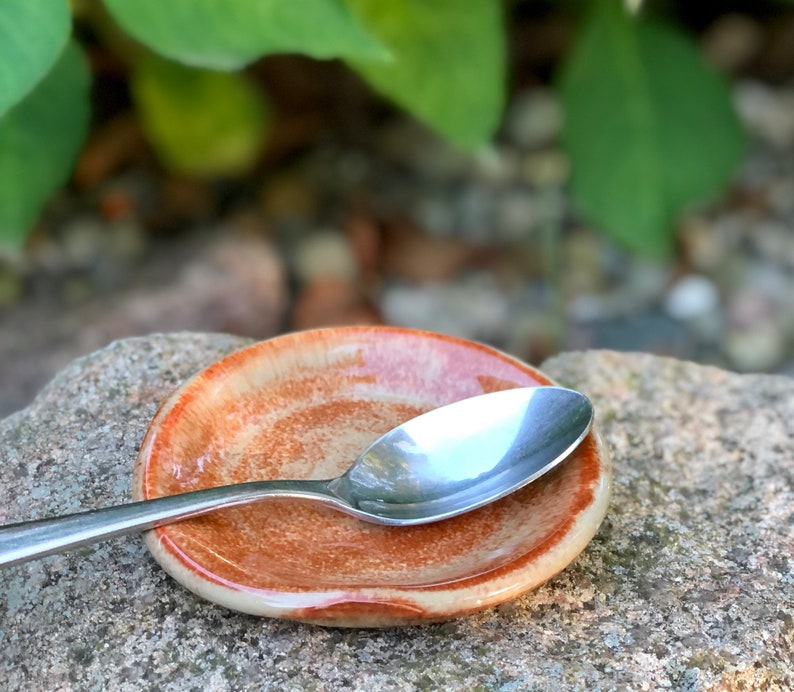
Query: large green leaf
<point>200,122</point>
<point>228,34</point>
<point>32,36</point>
<point>449,62</point>
<point>40,138</point>
<point>649,126</point>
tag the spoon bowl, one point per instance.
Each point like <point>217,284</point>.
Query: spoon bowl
<point>463,455</point>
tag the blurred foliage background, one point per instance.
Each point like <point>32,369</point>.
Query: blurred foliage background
<point>539,175</point>
<point>634,89</point>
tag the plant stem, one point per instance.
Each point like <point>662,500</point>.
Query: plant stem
<point>550,232</point>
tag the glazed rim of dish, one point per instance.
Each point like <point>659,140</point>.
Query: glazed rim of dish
<point>323,395</point>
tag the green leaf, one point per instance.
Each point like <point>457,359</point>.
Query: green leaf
<point>649,127</point>
<point>40,138</point>
<point>449,62</point>
<point>32,36</point>
<point>200,122</point>
<point>228,34</point>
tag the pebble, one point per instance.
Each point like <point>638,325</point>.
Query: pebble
<point>780,197</point>
<point>755,175</point>
<point>473,307</point>
<point>647,330</point>
<point>692,297</point>
<point>583,264</point>
<point>772,280</point>
<point>476,213</point>
<point>534,334</point>
<point>546,168</point>
<point>710,243</point>
<point>732,41</point>
<point>331,301</point>
<point>82,243</point>
<point>772,240</point>
<point>127,240</point>
<point>746,306</point>
<point>703,247</point>
<point>413,256</point>
<point>588,307</point>
<point>766,111</point>
<point>364,234</point>
<point>288,198</point>
<point>552,205</point>
<point>638,286</point>
<point>645,280</point>
<point>434,213</point>
<point>324,254</point>
<point>534,118</point>
<point>759,347</point>
<point>516,214</point>
<point>495,166</point>
<point>425,153</point>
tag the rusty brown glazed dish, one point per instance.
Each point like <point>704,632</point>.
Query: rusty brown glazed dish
<point>304,405</point>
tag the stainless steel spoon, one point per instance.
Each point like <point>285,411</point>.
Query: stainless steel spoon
<point>445,462</point>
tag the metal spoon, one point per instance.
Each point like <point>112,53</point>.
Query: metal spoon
<point>445,462</point>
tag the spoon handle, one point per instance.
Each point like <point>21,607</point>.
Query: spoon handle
<point>33,539</point>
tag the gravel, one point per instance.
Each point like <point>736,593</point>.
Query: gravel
<point>411,231</point>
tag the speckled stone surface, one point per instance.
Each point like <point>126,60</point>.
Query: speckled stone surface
<point>689,584</point>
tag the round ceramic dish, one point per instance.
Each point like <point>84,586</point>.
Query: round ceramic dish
<point>304,405</point>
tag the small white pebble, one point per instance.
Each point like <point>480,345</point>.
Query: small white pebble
<point>692,297</point>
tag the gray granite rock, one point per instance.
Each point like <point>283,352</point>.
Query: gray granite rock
<point>689,584</point>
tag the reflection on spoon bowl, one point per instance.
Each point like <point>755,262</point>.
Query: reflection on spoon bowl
<point>464,455</point>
